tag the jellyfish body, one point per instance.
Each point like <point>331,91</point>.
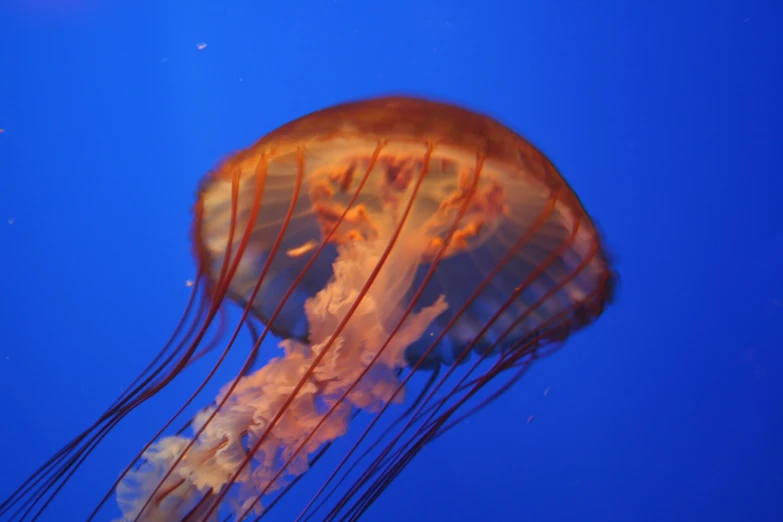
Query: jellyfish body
<point>377,240</point>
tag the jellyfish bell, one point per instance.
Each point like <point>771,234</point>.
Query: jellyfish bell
<point>514,186</point>
<point>377,240</point>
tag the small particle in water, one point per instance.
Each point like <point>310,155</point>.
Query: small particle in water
<point>2,131</point>
<point>189,282</point>
<point>530,419</point>
<point>546,392</point>
<point>201,46</point>
<point>10,221</point>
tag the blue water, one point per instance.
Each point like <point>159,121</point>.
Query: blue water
<point>666,118</point>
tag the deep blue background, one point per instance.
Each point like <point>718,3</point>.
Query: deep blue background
<point>666,118</point>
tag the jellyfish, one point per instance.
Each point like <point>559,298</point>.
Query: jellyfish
<point>411,258</point>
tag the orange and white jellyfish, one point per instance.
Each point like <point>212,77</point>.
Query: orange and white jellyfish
<point>379,241</point>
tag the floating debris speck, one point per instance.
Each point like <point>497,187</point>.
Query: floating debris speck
<point>189,282</point>
<point>10,221</point>
<point>201,46</point>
